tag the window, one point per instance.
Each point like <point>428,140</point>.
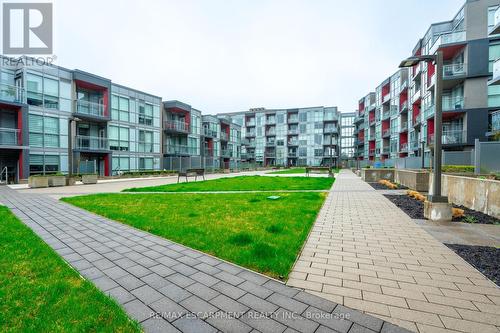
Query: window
<point>50,93</point>
<point>124,107</point>
<point>146,115</point>
<point>118,138</point>
<point>34,86</point>
<point>44,163</point>
<point>43,131</point>
<point>120,163</point>
<point>494,54</point>
<point>146,163</point>
<point>145,141</point>
<point>115,114</point>
<point>303,116</point>
<point>65,94</point>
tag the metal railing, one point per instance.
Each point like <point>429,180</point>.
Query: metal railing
<point>91,142</point>
<point>11,93</point>
<point>176,125</point>
<point>270,154</point>
<point>403,147</point>
<point>4,174</point>
<point>448,38</point>
<point>90,108</point>
<point>270,133</point>
<point>10,136</point>
<point>453,70</point>
<point>404,126</point>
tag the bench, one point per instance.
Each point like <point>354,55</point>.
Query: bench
<point>191,173</point>
<point>310,170</point>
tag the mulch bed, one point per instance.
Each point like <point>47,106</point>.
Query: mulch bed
<point>485,259</point>
<point>379,186</point>
<point>415,209</point>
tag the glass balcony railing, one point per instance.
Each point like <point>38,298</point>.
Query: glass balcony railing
<point>270,154</point>
<point>448,38</point>
<point>209,132</point>
<point>293,119</point>
<point>403,147</point>
<point>227,153</point>
<point>386,133</point>
<point>293,143</point>
<point>453,103</point>
<point>330,129</point>
<point>177,149</point>
<point>292,154</point>
<point>404,126</point>
<point>429,111</point>
<point>496,69</point>
<point>11,93</point>
<point>91,142</point>
<point>224,136</point>
<point>250,134</point>
<point>454,70</point>
<point>417,119</point>
<point>176,126</point>
<point>451,137</point>
<point>89,108</point>
<point>293,131</point>
<point>270,143</point>
<point>10,137</point>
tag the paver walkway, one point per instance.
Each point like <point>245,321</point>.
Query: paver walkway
<point>365,253</point>
<point>168,287</point>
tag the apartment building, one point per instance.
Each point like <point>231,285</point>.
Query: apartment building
<point>53,119</point>
<point>289,137</point>
<point>494,63</point>
<point>347,147</point>
<point>193,140</point>
<point>397,119</point>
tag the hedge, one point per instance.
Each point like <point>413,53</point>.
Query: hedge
<point>458,168</point>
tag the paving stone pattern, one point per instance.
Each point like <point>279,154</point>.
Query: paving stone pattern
<point>168,287</point>
<point>365,253</point>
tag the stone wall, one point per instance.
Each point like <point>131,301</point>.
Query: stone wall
<point>414,179</point>
<point>482,195</point>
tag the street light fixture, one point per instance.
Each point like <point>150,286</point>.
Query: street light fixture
<point>438,118</point>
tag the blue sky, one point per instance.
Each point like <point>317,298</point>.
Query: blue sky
<point>223,56</point>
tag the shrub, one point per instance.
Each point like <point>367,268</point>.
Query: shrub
<point>149,172</point>
<point>458,168</point>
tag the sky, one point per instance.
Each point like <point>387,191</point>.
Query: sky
<point>232,55</point>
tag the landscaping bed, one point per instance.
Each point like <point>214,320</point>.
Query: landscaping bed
<point>40,292</point>
<point>248,229</point>
<point>378,186</point>
<point>244,183</point>
<point>415,209</point>
<point>485,259</point>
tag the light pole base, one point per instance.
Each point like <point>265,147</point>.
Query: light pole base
<point>438,211</point>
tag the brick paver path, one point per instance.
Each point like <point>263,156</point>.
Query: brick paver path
<point>365,253</point>
<point>168,287</point>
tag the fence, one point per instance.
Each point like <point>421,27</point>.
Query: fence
<point>182,163</point>
<point>485,157</point>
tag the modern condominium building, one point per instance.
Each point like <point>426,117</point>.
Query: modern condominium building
<point>347,146</point>
<point>494,83</point>
<point>54,119</point>
<point>193,140</point>
<point>397,119</point>
<point>289,137</point>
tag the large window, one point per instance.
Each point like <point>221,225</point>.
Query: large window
<point>146,163</point>
<point>34,87</point>
<point>119,138</point>
<point>120,108</point>
<point>44,163</point>
<point>145,141</point>
<point>146,114</point>
<point>120,163</point>
<point>43,131</point>
<point>50,93</point>
<point>494,54</point>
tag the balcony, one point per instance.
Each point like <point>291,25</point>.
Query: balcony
<point>145,147</point>
<point>404,126</point>
<point>92,109</point>
<point>292,154</point>
<point>250,123</point>
<point>224,136</point>
<point>250,134</point>
<point>386,150</point>
<point>270,143</point>
<point>11,93</point>
<point>453,103</point>
<point>271,121</point>
<point>386,115</point>
<point>371,152</point>
<point>429,111</point>
<point>372,121</point>
<point>177,150</point>
<point>386,133</point>
<point>330,129</point>
<point>495,80</point>
<point>247,156</point>
<point>293,131</point>
<point>271,133</point>
<point>293,143</point>
<point>210,133</point>
<point>386,98</point>
<point>91,143</point>
<point>452,71</point>
<point>403,147</point>
<point>449,38</point>
<point>451,137</point>
<point>176,126</point>
<point>10,137</point>
<point>270,154</point>
<point>494,126</point>
<point>293,120</point>
<point>496,21</point>
<point>417,119</point>
<point>416,96</point>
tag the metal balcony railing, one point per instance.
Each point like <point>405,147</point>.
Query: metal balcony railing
<point>11,93</point>
<point>404,126</point>
<point>247,156</point>
<point>10,136</point>
<point>270,133</point>
<point>89,108</point>
<point>91,142</point>
<point>403,147</point>
<point>454,70</point>
<point>176,126</point>
<point>386,133</point>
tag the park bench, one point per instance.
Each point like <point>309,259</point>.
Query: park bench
<point>310,170</point>
<point>191,173</point>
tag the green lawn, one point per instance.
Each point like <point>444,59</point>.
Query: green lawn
<point>39,292</point>
<point>244,183</point>
<point>247,228</point>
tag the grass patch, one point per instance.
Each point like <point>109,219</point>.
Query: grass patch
<point>247,228</point>
<point>39,292</point>
<point>243,183</point>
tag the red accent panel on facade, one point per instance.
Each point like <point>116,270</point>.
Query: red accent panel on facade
<point>361,107</point>
<point>105,101</point>
<point>386,124</point>
<point>403,137</point>
<point>386,89</point>
<point>403,97</point>
<point>430,127</point>
<point>20,126</point>
<point>89,86</point>
<point>106,165</point>
<point>371,116</point>
<point>415,110</point>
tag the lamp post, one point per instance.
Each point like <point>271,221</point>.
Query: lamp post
<point>442,212</point>
<point>71,129</point>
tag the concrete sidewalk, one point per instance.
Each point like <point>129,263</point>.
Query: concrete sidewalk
<point>168,287</point>
<point>365,253</point>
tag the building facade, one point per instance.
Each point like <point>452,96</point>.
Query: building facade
<point>397,119</point>
<point>347,147</point>
<point>289,137</point>
<point>54,119</point>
